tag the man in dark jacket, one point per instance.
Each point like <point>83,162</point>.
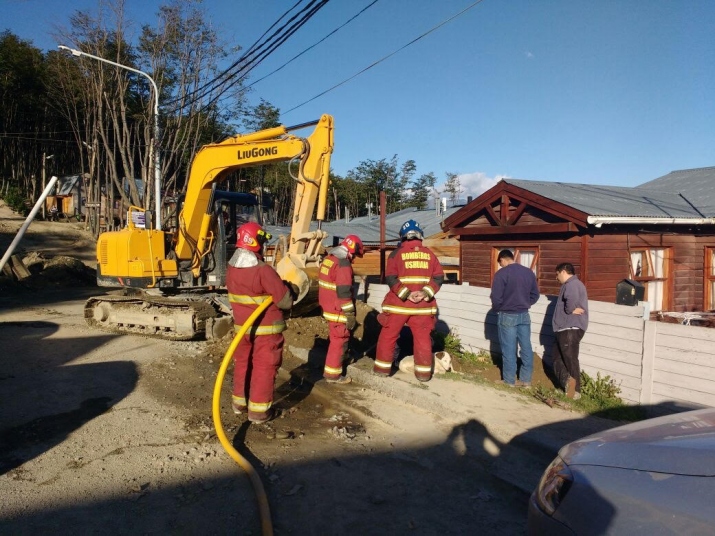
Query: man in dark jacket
<point>514,291</point>
<point>569,321</point>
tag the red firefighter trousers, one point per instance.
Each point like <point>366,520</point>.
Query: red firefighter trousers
<point>421,327</point>
<point>255,365</point>
<point>338,347</point>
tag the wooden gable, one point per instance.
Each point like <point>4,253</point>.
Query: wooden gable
<point>507,209</point>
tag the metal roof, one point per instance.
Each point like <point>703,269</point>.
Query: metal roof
<point>680,194</point>
<point>696,185</point>
<point>368,228</point>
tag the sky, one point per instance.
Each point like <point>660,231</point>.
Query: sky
<point>609,92</point>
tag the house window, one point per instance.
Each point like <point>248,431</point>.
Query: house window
<point>710,279</point>
<point>651,267</point>
<point>526,256</point>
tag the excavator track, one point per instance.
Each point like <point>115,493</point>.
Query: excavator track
<point>171,318</point>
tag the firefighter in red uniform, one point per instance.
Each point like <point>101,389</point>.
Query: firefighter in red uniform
<point>337,301</point>
<point>259,353</point>
<point>414,276</point>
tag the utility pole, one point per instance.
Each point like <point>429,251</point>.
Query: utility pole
<point>44,175</point>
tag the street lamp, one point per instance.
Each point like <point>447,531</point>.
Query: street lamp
<point>153,147</point>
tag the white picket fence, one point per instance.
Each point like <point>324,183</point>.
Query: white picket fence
<point>654,363</point>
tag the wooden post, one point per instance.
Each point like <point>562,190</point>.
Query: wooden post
<point>383,203</point>
<point>649,335</point>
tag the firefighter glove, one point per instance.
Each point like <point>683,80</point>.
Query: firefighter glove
<point>351,322</point>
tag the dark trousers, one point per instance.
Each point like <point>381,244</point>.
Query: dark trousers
<point>566,351</point>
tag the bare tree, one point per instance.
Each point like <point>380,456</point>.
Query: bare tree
<point>114,106</point>
<point>453,187</point>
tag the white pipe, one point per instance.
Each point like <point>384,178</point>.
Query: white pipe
<point>28,221</point>
<point>600,220</point>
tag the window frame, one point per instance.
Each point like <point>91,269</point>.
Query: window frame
<point>517,252</point>
<point>709,279</point>
<point>666,279</point>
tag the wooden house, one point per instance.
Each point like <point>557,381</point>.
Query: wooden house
<point>660,234</point>
<point>67,197</point>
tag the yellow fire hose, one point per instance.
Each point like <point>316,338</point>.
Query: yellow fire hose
<point>264,509</point>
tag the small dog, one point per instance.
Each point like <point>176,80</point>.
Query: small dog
<point>442,363</point>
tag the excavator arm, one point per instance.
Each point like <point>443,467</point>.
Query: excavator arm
<point>215,161</point>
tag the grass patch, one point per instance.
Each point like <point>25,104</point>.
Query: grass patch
<point>466,362</point>
<point>599,395</point>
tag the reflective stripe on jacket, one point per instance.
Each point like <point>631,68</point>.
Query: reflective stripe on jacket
<point>412,267</point>
<point>335,292</point>
<point>248,288</point>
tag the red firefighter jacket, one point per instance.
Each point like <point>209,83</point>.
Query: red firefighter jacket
<point>335,293</point>
<point>248,288</point>
<point>412,267</point>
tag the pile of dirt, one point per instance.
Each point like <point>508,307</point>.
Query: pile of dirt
<point>58,271</point>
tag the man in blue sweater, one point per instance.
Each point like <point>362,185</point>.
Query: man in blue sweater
<point>569,321</point>
<point>514,291</point>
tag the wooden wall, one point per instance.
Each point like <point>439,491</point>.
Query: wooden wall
<point>601,262</point>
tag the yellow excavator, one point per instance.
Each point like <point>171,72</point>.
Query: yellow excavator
<point>173,283</point>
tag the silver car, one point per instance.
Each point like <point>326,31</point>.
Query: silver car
<point>651,477</point>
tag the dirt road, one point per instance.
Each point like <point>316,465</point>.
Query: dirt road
<point>113,434</point>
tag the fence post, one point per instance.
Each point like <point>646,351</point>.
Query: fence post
<point>647,364</point>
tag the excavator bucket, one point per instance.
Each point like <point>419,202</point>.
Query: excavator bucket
<point>306,279</point>
<point>294,274</point>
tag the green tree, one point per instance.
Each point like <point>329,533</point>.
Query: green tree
<point>421,190</point>
<point>30,128</point>
<point>384,175</point>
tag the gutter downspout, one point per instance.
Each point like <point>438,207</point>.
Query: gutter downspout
<point>598,221</point>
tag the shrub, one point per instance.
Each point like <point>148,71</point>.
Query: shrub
<point>451,344</point>
<point>16,201</point>
<point>600,396</point>
<point>603,390</point>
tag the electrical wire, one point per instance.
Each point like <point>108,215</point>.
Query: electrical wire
<point>259,50</point>
<point>245,55</point>
<point>245,70</point>
<point>314,44</point>
<point>385,57</point>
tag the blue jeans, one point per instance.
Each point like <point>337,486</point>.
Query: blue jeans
<point>515,328</point>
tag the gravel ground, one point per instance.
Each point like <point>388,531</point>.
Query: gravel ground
<point>109,434</point>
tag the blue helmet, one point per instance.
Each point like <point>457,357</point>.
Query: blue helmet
<point>411,230</point>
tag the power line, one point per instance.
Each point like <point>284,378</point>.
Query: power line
<point>218,100</point>
<point>243,57</point>
<point>386,57</point>
<point>246,69</point>
<point>314,44</point>
<point>259,50</point>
